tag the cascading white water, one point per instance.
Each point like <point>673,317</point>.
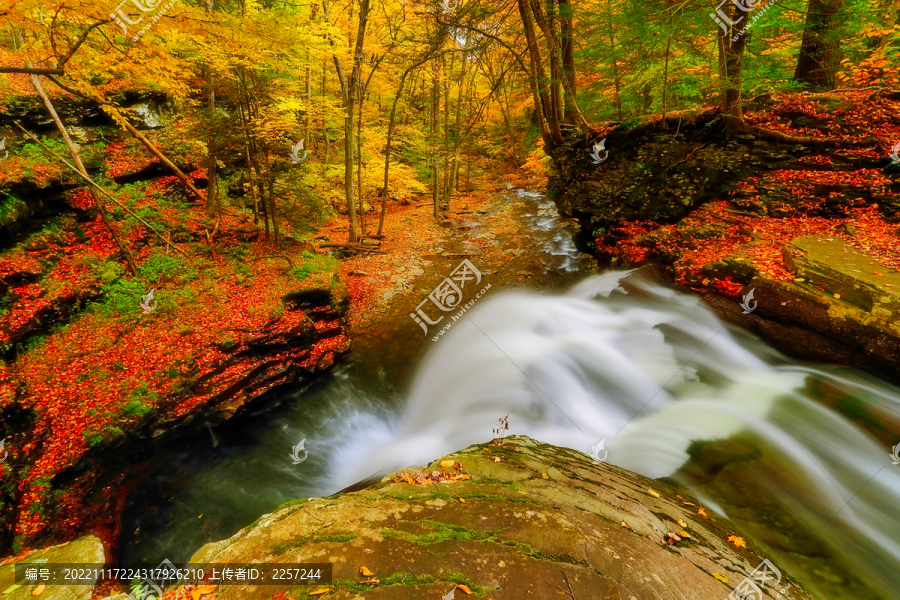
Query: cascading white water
<point>650,370</point>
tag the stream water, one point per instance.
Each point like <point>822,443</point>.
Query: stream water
<point>796,455</point>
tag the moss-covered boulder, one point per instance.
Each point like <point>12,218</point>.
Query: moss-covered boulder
<point>517,519</point>
<point>87,550</point>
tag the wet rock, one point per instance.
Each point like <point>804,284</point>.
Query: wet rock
<point>514,530</point>
<point>88,550</point>
<point>841,269</point>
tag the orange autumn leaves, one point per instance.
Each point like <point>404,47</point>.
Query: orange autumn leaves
<point>441,476</point>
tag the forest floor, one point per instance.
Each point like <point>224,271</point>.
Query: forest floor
<point>848,192</point>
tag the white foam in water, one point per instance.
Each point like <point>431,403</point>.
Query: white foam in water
<point>649,370</point>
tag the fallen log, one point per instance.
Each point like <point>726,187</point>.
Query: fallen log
<point>354,247</point>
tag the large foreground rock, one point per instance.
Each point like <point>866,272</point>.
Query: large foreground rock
<point>87,550</point>
<point>516,529</point>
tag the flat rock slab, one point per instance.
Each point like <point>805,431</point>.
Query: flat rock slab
<point>841,269</point>
<point>529,525</point>
<point>87,550</point>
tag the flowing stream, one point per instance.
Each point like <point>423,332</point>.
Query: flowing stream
<point>796,455</point>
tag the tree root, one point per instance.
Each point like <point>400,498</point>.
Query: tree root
<point>734,125</point>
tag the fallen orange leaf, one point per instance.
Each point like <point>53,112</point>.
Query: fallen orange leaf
<point>37,591</point>
<point>737,541</point>
<point>702,512</point>
<point>464,588</point>
<point>544,475</point>
<point>366,572</point>
<point>320,591</point>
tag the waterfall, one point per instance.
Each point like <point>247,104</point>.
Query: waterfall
<point>658,377</point>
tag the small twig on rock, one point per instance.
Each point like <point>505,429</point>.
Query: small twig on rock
<point>568,585</point>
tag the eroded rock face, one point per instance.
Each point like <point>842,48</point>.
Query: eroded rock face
<point>841,307</point>
<point>840,269</point>
<point>722,216</point>
<point>519,528</point>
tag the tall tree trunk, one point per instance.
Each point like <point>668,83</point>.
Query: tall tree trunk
<point>553,44</point>
<point>212,188</point>
<point>359,122</point>
<point>468,168</point>
<point>435,107</point>
<point>567,44</point>
<point>556,70</point>
<point>537,80</point>
<point>245,128</point>
<point>821,45</point>
<point>275,229</point>
<point>445,200</point>
<point>734,59</point>
<point>615,60</point>
<point>308,115</point>
<point>459,95</point>
<point>387,151</point>
<point>890,19</point>
<point>666,80</point>
<point>646,98</point>
<point>349,91</point>
<point>324,124</point>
